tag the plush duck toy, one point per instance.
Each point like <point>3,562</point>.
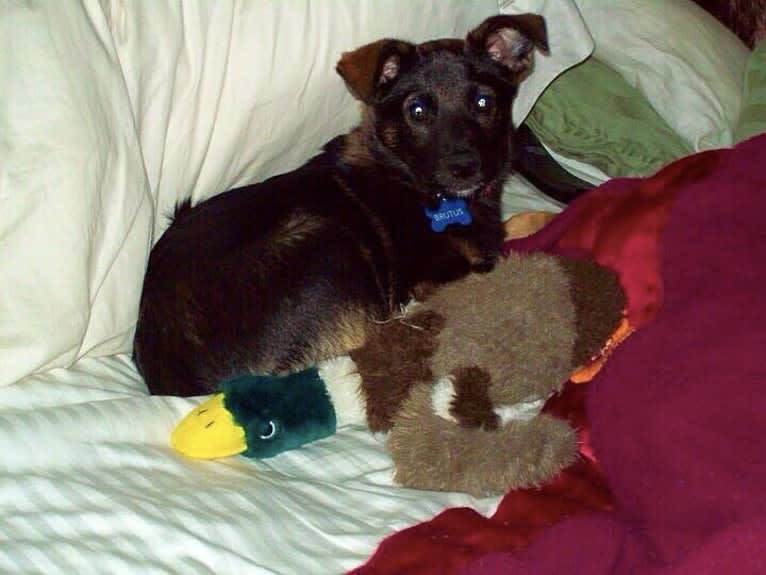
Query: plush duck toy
<point>260,416</point>
<point>458,383</point>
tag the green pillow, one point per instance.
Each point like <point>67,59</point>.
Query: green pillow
<point>752,118</point>
<point>591,114</point>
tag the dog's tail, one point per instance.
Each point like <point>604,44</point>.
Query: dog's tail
<point>181,211</point>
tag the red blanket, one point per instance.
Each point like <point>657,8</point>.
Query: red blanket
<point>677,417</point>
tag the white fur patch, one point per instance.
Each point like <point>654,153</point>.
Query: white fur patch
<point>465,192</point>
<point>521,411</point>
<point>441,398</point>
<point>343,384</point>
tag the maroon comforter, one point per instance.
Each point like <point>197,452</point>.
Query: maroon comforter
<point>677,417</point>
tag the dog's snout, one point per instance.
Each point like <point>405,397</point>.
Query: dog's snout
<point>459,170</point>
<point>463,168</point>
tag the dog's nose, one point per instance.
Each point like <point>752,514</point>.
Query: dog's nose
<point>463,169</point>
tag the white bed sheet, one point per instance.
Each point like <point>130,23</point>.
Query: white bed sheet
<point>89,484</point>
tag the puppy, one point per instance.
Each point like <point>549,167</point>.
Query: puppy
<point>273,277</point>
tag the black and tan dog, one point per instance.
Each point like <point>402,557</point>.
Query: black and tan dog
<point>276,276</point>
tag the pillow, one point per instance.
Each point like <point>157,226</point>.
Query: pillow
<point>75,201</point>
<point>686,63</point>
<point>591,114</point>
<point>752,120</point>
<point>230,92</point>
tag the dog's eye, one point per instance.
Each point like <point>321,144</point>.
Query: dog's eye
<point>483,102</point>
<point>417,111</point>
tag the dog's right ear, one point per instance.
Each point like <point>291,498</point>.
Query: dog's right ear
<point>369,67</point>
<point>510,40</point>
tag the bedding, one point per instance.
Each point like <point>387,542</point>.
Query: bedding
<point>88,483</point>
<point>569,118</point>
<point>752,118</point>
<point>651,49</point>
<point>111,111</point>
<point>695,87</point>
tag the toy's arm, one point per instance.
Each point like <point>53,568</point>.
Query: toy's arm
<point>396,356</point>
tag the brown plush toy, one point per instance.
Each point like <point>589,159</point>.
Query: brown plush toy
<point>459,380</point>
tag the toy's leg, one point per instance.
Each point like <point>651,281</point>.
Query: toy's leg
<point>431,452</point>
<point>395,357</point>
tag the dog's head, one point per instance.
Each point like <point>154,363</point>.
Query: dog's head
<point>439,113</point>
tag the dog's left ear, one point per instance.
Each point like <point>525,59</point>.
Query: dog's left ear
<point>369,67</point>
<point>511,41</point>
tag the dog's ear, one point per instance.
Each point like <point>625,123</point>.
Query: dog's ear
<point>372,65</point>
<point>511,41</point>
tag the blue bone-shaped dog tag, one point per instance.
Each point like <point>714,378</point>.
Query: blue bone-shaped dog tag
<point>450,211</point>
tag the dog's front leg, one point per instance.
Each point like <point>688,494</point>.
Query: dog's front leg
<point>488,237</point>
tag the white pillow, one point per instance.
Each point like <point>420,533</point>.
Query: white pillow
<point>688,65</point>
<point>234,91</point>
<point>231,92</point>
<point>74,203</point>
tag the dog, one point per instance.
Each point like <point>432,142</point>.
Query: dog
<point>273,277</point>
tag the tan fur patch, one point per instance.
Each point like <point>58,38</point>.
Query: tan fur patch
<point>390,136</point>
<point>467,249</point>
<point>356,151</point>
<point>337,338</point>
<point>345,334</point>
<point>526,223</point>
<point>295,229</point>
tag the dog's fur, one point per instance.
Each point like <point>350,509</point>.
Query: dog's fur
<point>272,277</point>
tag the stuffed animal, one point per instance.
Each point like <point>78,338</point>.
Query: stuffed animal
<point>458,381</point>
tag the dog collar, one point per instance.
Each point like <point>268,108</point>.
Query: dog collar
<point>488,189</point>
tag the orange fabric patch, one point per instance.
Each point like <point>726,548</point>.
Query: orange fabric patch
<point>587,372</point>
